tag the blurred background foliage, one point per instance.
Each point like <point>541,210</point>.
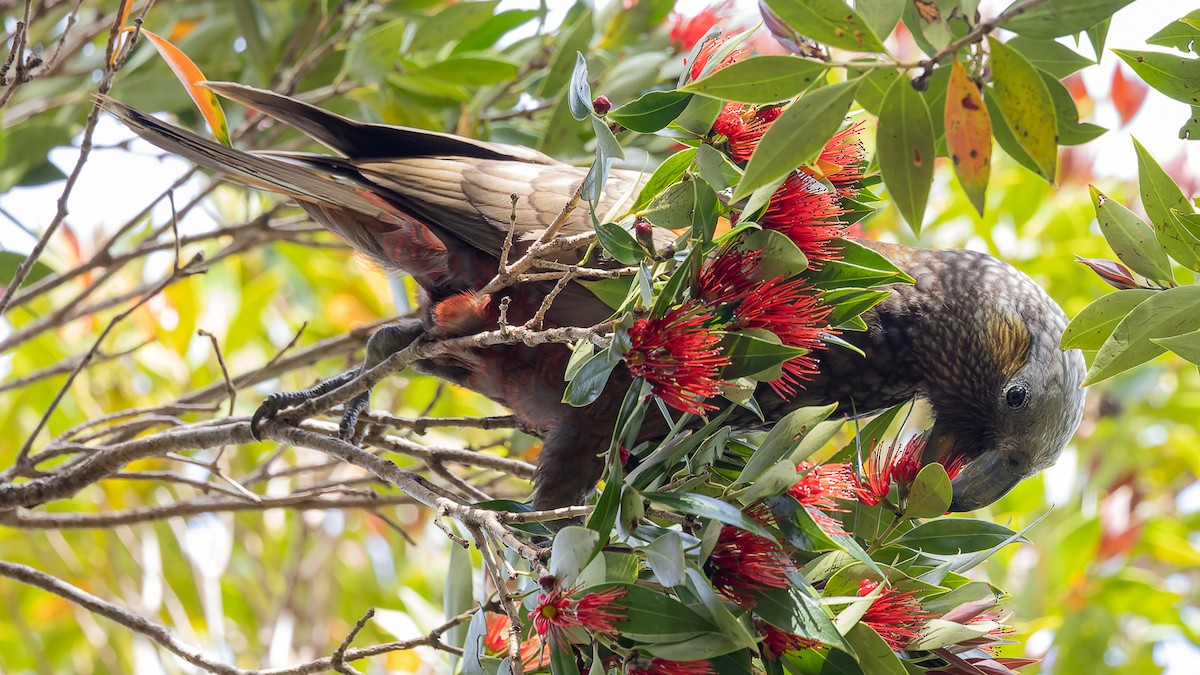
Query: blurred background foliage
<point>1110,582</point>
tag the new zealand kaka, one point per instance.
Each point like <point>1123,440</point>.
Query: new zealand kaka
<point>975,337</point>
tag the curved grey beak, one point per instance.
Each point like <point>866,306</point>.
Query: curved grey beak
<point>982,481</point>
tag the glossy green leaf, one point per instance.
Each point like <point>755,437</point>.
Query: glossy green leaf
<point>783,438</point>
<point>1174,75</point>
<point>1160,196</point>
<point>760,79</point>
<point>653,616</point>
<point>1049,56</point>
<point>794,611</point>
<point>951,536</point>
<point>562,656</point>
<point>1026,104</point>
<point>780,258</point>
<point>1130,238</point>
<point>774,481</point>
<point>605,514</point>
<point>1070,130</point>
<point>708,507</point>
<point>813,662</point>
<point>1179,34</point>
<point>830,22</point>
<point>905,150</point>
<point>664,555</point>
<point>876,83</point>
<point>716,169</point>
<point>653,111</point>
<point>1182,239</point>
<point>874,655</point>
<point>930,493</point>
<point>589,382</point>
<point>756,354</point>
<point>1186,346</point>
<point>1092,326</point>
<point>850,303</point>
<point>860,267</point>
<point>619,243</point>
<point>1169,313</point>
<point>797,136</point>
<point>670,171</point>
<point>672,208</point>
<point>1062,17</point>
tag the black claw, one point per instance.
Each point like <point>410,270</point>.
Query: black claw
<point>281,400</point>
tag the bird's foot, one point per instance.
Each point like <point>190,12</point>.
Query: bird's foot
<point>282,400</point>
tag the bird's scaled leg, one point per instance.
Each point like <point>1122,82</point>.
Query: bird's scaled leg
<point>383,343</point>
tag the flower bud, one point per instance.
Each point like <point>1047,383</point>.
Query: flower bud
<point>601,105</point>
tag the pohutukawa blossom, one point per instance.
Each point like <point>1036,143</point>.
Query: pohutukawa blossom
<point>495,640</point>
<point>777,642</point>
<point>742,562</point>
<point>796,316</point>
<point>687,31</point>
<point>729,277</point>
<point>846,150</point>
<point>899,463</point>
<point>556,610</point>
<point>821,488</point>
<point>897,617</point>
<point>743,127</point>
<point>807,212</point>
<point>657,666</point>
<point>708,50</point>
<point>680,356</point>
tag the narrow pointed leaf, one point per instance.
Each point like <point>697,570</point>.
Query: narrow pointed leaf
<point>1160,196</point>
<point>1186,345</point>
<point>1169,313</point>
<point>830,22</point>
<point>968,135</point>
<point>190,76</point>
<point>1026,105</point>
<point>1130,238</point>
<point>1062,17</point>
<point>1174,75</point>
<point>653,111</point>
<point>760,79</point>
<point>1091,327</point>
<point>905,149</point>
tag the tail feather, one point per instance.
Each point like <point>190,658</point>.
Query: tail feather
<point>362,141</point>
<point>269,173</point>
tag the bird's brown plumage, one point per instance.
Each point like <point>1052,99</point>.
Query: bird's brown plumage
<point>975,337</point>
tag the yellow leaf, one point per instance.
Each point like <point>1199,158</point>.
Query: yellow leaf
<point>968,135</point>
<point>191,77</point>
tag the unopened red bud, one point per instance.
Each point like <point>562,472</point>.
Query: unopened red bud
<point>769,114</point>
<point>644,233</point>
<point>601,105</point>
<point>547,581</point>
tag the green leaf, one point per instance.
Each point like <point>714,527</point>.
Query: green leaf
<point>458,595</point>
<point>780,255</point>
<point>1130,238</point>
<point>604,515</point>
<point>1160,195</point>
<point>619,243</point>
<point>653,111</point>
<point>876,83</point>
<point>783,438</point>
<point>874,655</point>
<point>1070,130</point>
<point>951,536</point>
<point>1178,34</point>
<point>667,173</point>
<point>653,616</point>
<point>792,610</point>
<point>1004,134</point>
<point>1190,131</point>
<point>760,79</point>
<point>1091,327</point>
<point>574,547</point>
<point>850,303</point>
<point>860,267</point>
<point>1182,240</point>
<point>1169,313</point>
<point>562,656</point>
<point>1062,17</point>
<point>756,353</point>
<point>830,22</point>
<point>472,71</point>
<point>491,31</point>
<point>10,261</point>
<point>447,26</point>
<point>472,645</point>
<point>1176,76</point>
<point>797,136</point>
<point>775,480</point>
<point>704,506</point>
<point>881,15</point>
<point>573,41</point>
<point>869,435</point>
<point>905,150</point>
<point>716,169</point>
<point>1025,101</point>
<point>589,382</point>
<point>1186,345</point>
<point>672,208</point>
<point>665,557</point>
<point>929,496</point>
<point>1098,33</point>
<point>939,633</point>
<point>579,92</point>
<point>612,292</point>
<point>814,662</point>
<point>698,117</point>
<point>1049,56</point>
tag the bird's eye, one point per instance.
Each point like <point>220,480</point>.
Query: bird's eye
<point>1017,396</point>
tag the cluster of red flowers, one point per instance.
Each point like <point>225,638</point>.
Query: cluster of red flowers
<point>896,616</point>
<point>680,355</point>
<point>556,610</point>
<point>820,486</point>
<point>743,562</point>
<point>898,464</point>
<point>495,640</point>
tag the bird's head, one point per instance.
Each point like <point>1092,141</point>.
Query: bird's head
<point>1006,400</point>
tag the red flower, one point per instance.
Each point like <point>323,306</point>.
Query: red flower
<point>555,610</point>
<point>896,616</point>
<point>796,316</point>
<point>687,31</point>
<point>898,463</point>
<point>777,642</point>
<point>743,561</point>
<point>820,486</point>
<point>680,356</point>
<point>744,138</point>
<point>808,213</point>
<point>729,277</point>
<point>657,666</point>
<point>729,121</point>
<point>846,150</point>
<point>706,53</point>
<point>955,466</point>
<point>496,641</point>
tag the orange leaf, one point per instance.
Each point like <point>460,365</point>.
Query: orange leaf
<point>1128,94</point>
<point>191,77</point>
<point>968,135</point>
<point>123,12</point>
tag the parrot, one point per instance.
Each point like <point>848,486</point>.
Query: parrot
<point>973,336</point>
